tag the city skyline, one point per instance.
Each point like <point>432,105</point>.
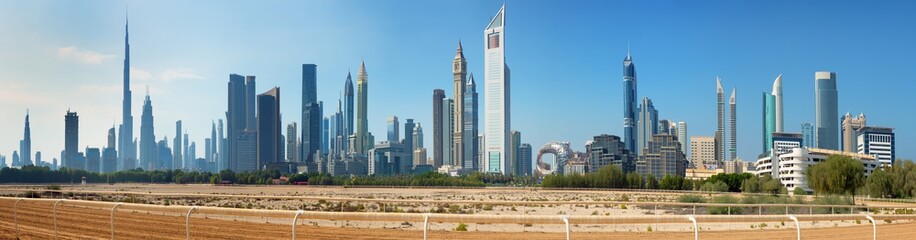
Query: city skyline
<point>98,104</point>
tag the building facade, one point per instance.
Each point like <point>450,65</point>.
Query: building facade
<point>71,141</point>
<point>458,138</point>
<point>825,104</point>
<point>662,156</point>
<point>647,123</point>
<point>311,113</point>
<point>703,151</point>
<point>606,150</point>
<point>878,142</point>
<point>439,126</point>
<point>629,104</point>
<point>470,155</point>
<point>497,101</point>
<point>850,128</point>
<point>269,139</point>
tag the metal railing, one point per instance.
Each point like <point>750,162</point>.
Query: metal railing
<point>426,218</point>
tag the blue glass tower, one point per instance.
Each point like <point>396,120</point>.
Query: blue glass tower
<point>629,103</point>
<point>826,117</point>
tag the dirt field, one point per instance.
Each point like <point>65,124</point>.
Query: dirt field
<point>74,222</point>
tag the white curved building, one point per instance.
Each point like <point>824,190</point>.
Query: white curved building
<point>792,165</point>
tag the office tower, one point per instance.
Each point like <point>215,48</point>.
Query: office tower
<point>481,151</point>
<point>25,145</point>
<point>325,130</point>
<point>208,151</point>
<point>311,114</point>
<point>629,103</point>
<point>147,136</point>
<point>662,156</point>
<point>192,157</point>
<point>186,162</point>
<point>164,154</point>
<point>269,128</point>
<point>393,128</point>
<point>733,126</point>
<point>16,158</point>
<point>515,142</point>
<point>213,156</point>
<point>71,140</point>
<point>497,101</point>
<point>682,137</point>
<point>471,145</point>
<point>850,127</point>
<point>3,162</point>
<point>110,153</point>
<point>347,119</point>
<point>647,122</point>
<point>777,100</point>
<point>702,151</point>
<point>250,102</point>
<point>825,109</point>
<point>93,159</point>
<point>784,142</point>
<point>418,137</point>
<point>409,127</point>
<point>456,128</point>
<point>127,148</point>
<point>720,119</point>
<point>177,152</point>
<point>769,121</point>
<point>419,157</point>
<point>878,142</point>
<point>664,127</point>
<point>524,159</point>
<point>242,136</point>
<point>37,159</point>
<point>807,130</point>
<point>389,158</point>
<point>292,143</point>
<point>222,147</point>
<point>363,138</point>
<point>606,150</point>
<point>438,126</point>
<point>448,123</point>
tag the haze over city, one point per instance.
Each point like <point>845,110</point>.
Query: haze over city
<point>565,60</point>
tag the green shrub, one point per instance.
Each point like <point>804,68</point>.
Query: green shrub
<point>726,209</point>
<point>690,198</point>
<point>462,227</point>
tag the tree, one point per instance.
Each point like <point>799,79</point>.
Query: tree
<point>751,185</point>
<point>838,175</point>
<point>651,182</point>
<point>719,186</point>
<point>880,184</point>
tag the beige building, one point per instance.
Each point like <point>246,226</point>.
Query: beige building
<point>419,157</point>
<point>850,126</point>
<point>702,151</point>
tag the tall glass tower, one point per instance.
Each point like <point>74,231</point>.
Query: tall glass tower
<point>127,147</point>
<point>629,103</point>
<point>497,111</point>
<point>720,117</point>
<point>826,117</point>
<point>732,127</point>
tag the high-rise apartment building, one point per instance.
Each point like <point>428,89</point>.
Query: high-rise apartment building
<point>409,127</point>
<point>177,153</point>
<point>606,150</point>
<point>71,141</point>
<point>703,151</point>
<point>662,156</point>
<point>720,119</point>
<point>629,104</point>
<point>524,159</point>
<point>292,143</point>
<point>682,137</point>
<point>363,139</point>
<point>439,127</point>
<point>647,123</point>
<point>448,123</point>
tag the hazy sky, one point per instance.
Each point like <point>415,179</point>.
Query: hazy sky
<point>565,58</point>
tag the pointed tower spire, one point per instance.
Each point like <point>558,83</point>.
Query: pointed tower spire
<point>459,54</point>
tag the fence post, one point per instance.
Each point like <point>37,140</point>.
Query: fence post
<point>54,211</point>
<point>113,209</point>
<point>425,226</point>
<point>797,226</point>
<point>696,230</point>
<point>187,223</point>
<point>16,216</point>
<point>296,219</point>
<point>874,227</point>
<point>566,221</point>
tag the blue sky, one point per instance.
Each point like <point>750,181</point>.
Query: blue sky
<point>565,58</point>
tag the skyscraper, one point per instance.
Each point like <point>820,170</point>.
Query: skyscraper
<point>242,136</point>
<point>269,127</point>
<point>664,127</point>
<point>148,158</point>
<point>850,127</point>
<point>807,130</point>
<point>662,156</point>
<point>325,130</point>
<point>682,137</point>
<point>606,150</point>
<point>25,146</point>
<point>448,123</point>
<point>127,148</point>
<point>292,143</point>
<point>629,103</point>
<point>409,127</point>
<point>878,142</point>
<point>110,154</point>
<point>732,127</point>
<point>470,155</point>
<point>825,109</point>
<point>456,129</point>
<point>515,143</point>
<point>524,159</point>
<point>417,137</point>
<point>94,158</point>
<point>647,123</point>
<point>71,141</point>
<point>497,101</point>
<point>703,151</point>
<point>347,119</point>
<point>393,128</point>
<point>363,137</point>
<point>720,119</point>
<point>223,148</point>
<point>777,94</point>
<point>311,114</point>
<point>214,153</point>
<point>177,152</point>
<point>438,126</point>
